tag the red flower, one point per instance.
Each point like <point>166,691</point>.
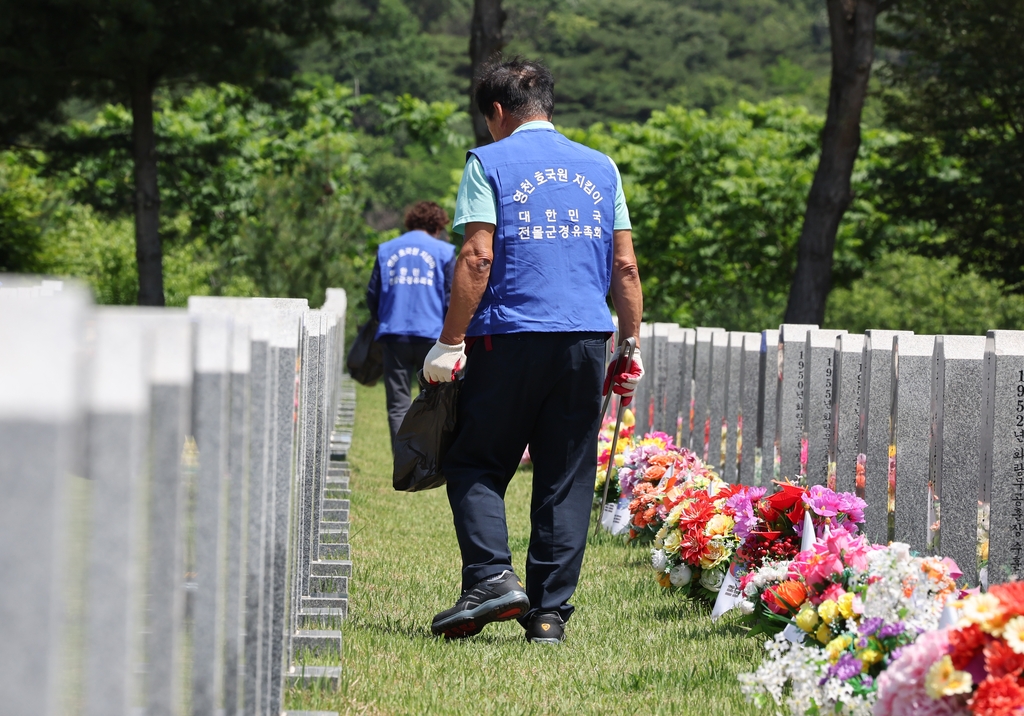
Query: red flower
<point>787,496</point>
<point>1001,660</point>
<point>1001,696</point>
<point>785,597</point>
<point>964,644</point>
<point>1011,596</point>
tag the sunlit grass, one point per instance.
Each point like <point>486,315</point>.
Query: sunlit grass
<point>631,647</point>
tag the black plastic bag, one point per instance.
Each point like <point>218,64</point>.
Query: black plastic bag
<point>425,436</point>
<point>365,359</point>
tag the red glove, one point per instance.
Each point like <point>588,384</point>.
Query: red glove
<point>623,382</point>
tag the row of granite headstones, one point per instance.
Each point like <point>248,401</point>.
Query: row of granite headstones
<point>173,502</point>
<point>929,430</point>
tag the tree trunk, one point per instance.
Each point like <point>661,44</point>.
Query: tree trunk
<point>148,252</point>
<point>484,41</point>
<point>852,28</point>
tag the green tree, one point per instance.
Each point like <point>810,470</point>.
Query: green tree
<point>903,291</point>
<point>956,87</point>
<point>125,50</point>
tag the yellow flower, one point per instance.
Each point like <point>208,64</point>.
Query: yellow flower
<point>846,605</point>
<point>672,542</point>
<point>716,553</point>
<point>824,634</point>
<point>985,611</point>
<point>664,580</point>
<point>837,646</point>
<point>620,458</point>
<point>869,657</point>
<point>807,619</point>
<point>983,550</point>
<point>720,525</point>
<point>828,610</point>
<point>944,680</point>
<point>1013,633</point>
<point>627,418</point>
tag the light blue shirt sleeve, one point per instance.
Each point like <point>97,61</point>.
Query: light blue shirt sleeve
<point>621,210</point>
<point>476,200</point>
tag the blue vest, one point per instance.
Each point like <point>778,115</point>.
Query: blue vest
<point>553,243</point>
<point>412,271</point>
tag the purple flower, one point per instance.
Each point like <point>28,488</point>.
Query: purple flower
<point>890,630</point>
<point>867,681</point>
<point>822,501</point>
<point>846,668</point>
<point>870,626</point>
<point>852,505</point>
<point>742,503</point>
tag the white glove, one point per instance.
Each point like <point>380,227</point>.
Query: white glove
<point>443,362</point>
<point>622,380</point>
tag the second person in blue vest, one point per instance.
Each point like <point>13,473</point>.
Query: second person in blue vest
<point>547,236</point>
<point>408,293</point>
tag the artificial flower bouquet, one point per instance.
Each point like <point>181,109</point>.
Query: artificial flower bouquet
<point>851,608</point>
<point>656,478</point>
<point>975,668</point>
<point>695,544</point>
<point>770,527</point>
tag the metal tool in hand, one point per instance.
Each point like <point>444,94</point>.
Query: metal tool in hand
<point>622,364</point>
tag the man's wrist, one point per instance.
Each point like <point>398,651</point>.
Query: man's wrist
<point>451,339</point>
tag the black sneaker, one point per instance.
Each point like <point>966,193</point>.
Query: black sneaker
<point>545,628</point>
<point>496,599</point>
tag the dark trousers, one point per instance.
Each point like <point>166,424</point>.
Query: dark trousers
<point>401,363</point>
<point>541,389</point>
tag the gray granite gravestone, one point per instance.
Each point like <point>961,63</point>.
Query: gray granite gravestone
<point>844,441</point>
<point>641,404</point>
<point>750,383</point>
<point>960,391</point>
<point>660,383</point>
<point>247,317</point>
<point>170,421</point>
<point>210,406</point>
<point>702,390</point>
<point>239,431</point>
<point>876,417</point>
<point>686,393</point>
<point>674,385</point>
<point>717,387</point>
<point>40,406</point>
<point>284,345</point>
<point>118,421</point>
<point>818,386</point>
<point>789,402</point>
<point>730,470</point>
<point>765,467</point>
<point>1004,359</point>
<point>912,362</point>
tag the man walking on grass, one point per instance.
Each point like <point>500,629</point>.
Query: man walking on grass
<point>547,235</point>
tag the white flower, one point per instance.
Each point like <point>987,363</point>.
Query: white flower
<point>746,606</point>
<point>711,579</point>
<point>680,575</point>
<point>658,560</point>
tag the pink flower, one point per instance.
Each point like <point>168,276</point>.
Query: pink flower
<point>901,689</point>
<point>816,565</point>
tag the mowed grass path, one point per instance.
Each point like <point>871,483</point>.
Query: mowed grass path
<point>632,647</point>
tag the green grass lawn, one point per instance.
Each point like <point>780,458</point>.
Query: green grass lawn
<point>631,647</point>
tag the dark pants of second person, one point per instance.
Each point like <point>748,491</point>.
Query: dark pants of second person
<point>541,389</point>
<point>401,363</point>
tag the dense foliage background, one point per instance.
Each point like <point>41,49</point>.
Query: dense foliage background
<point>711,108</point>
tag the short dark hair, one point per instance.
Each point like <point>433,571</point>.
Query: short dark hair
<point>523,87</point>
<point>426,216</point>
